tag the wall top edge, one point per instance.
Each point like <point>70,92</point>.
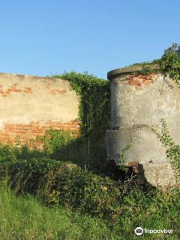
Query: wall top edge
<point>22,76</point>
<point>127,70</point>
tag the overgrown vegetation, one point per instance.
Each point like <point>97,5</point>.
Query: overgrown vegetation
<point>83,199</point>
<point>74,192</point>
<point>25,217</point>
<point>169,63</point>
<point>65,184</point>
<point>94,108</point>
<point>173,149</point>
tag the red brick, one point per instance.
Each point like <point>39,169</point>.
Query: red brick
<point>62,91</point>
<point>19,125</point>
<point>46,126</point>
<point>69,123</point>
<point>22,131</point>
<point>9,128</point>
<point>56,125</point>
<point>27,91</point>
<point>27,127</point>
<point>19,128</point>
<point>9,125</point>
<point>134,82</point>
<point>130,77</point>
<point>53,93</point>
<point>149,81</point>
<point>27,132</point>
<point>72,123</point>
<point>38,134</point>
<point>17,90</point>
<point>150,75</point>
<point>35,125</point>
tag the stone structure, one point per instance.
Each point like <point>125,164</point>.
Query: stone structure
<point>138,103</point>
<point>29,106</point>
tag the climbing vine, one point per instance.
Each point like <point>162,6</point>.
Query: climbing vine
<point>169,63</point>
<point>173,149</point>
<point>94,108</point>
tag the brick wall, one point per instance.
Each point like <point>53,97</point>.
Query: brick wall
<point>15,134</point>
<point>29,106</point>
<point>135,80</point>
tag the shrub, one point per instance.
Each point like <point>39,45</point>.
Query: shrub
<point>7,154</point>
<point>65,184</point>
<point>124,207</point>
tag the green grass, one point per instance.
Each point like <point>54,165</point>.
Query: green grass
<point>70,202</point>
<point>24,217</point>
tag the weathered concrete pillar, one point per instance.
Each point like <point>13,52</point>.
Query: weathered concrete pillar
<point>138,103</point>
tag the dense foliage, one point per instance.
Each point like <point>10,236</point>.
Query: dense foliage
<point>169,63</point>
<point>25,217</point>
<point>65,184</point>
<point>121,207</point>
<point>94,108</point>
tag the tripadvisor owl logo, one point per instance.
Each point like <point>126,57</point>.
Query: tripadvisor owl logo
<point>138,231</point>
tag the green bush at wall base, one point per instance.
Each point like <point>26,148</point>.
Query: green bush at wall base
<point>65,184</point>
<point>123,207</point>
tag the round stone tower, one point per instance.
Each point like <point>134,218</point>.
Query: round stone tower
<point>138,103</point>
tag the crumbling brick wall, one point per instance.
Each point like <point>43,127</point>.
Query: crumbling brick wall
<point>29,106</point>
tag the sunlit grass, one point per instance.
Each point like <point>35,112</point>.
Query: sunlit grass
<point>24,217</point>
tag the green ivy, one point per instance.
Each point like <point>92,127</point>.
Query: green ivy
<point>173,149</point>
<point>94,108</point>
<point>169,63</point>
<point>147,67</point>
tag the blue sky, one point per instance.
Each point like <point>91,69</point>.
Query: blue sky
<point>43,37</point>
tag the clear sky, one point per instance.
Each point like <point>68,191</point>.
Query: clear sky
<point>43,37</point>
